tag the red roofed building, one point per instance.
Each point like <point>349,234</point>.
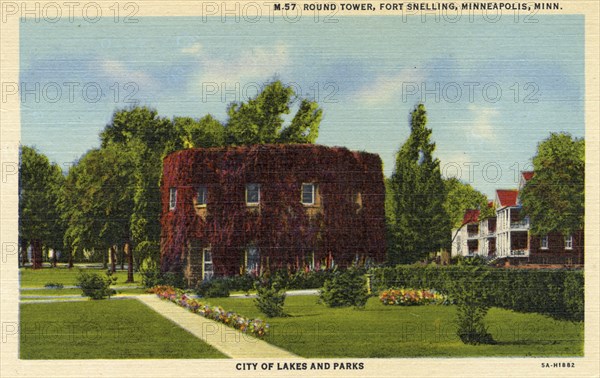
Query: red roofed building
<point>507,235</point>
<point>471,216</point>
<point>512,226</point>
<point>466,239</point>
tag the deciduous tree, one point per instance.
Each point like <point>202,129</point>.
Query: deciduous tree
<point>554,198</point>
<point>39,220</point>
<point>460,197</point>
<point>260,119</point>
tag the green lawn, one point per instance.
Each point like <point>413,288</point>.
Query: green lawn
<point>39,277</point>
<point>314,330</point>
<point>50,292</point>
<point>77,291</point>
<point>111,329</point>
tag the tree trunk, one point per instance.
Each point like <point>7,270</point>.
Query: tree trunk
<point>113,263</point>
<point>122,258</point>
<point>36,254</point>
<point>129,251</point>
<point>54,259</point>
<point>24,246</point>
<point>71,259</point>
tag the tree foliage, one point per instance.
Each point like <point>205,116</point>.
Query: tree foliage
<point>260,119</point>
<point>419,223</point>
<point>96,200</point>
<point>554,198</point>
<point>39,219</point>
<point>145,138</point>
<point>460,197</point>
<point>126,208</point>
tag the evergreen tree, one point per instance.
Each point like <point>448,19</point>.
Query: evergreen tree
<point>420,224</point>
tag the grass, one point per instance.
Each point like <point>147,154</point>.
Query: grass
<point>68,277</point>
<point>77,291</point>
<point>111,329</point>
<point>314,330</point>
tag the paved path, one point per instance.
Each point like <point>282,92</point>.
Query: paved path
<point>289,293</point>
<point>227,340</point>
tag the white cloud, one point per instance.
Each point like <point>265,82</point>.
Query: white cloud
<point>258,64</point>
<point>483,122</point>
<point>456,164</point>
<point>391,88</point>
<point>119,72</point>
<point>194,49</point>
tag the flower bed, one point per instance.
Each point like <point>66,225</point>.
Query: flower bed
<point>255,327</point>
<point>412,297</point>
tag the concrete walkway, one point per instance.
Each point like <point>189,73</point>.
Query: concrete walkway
<point>289,293</point>
<point>227,340</point>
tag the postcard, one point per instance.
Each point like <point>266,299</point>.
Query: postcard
<point>299,188</point>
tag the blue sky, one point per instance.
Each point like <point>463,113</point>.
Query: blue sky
<point>501,87</point>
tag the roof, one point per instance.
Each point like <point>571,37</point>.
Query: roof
<point>527,175</point>
<point>507,197</point>
<point>471,216</point>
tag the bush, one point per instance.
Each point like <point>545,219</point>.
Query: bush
<point>574,295</point>
<point>314,279</point>
<point>544,291</point>
<point>95,286</point>
<point>151,278</point>
<point>345,289</point>
<point>270,299</point>
<point>215,288</point>
<point>243,283</point>
<point>54,285</point>
<point>470,295</point>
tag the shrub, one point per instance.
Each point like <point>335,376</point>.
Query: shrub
<point>543,291</point>
<point>244,282</point>
<point>95,286</point>
<point>574,295</point>
<point>151,278</point>
<point>345,289</point>
<point>54,285</point>
<point>215,288</point>
<point>470,295</point>
<point>270,299</point>
<point>314,279</point>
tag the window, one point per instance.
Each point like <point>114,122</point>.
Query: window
<point>544,242</point>
<point>569,242</point>
<point>308,194</point>
<point>252,194</point>
<point>207,264</point>
<point>358,199</point>
<point>252,260</point>
<point>201,195</point>
<point>172,198</point>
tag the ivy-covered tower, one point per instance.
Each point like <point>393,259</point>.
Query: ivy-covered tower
<point>234,210</point>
